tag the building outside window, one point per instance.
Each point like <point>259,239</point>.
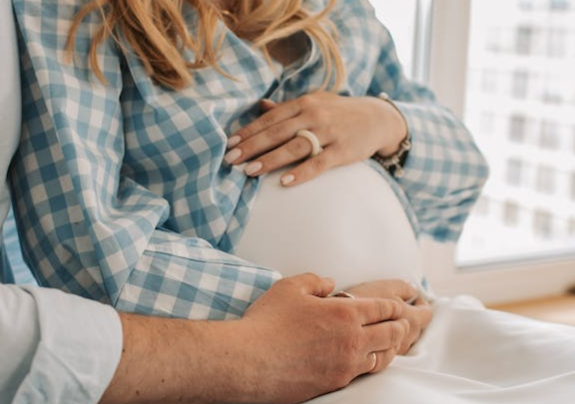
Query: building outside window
<point>524,40</point>
<point>526,4</point>
<point>543,223</point>
<point>515,90</point>
<point>517,128</point>
<point>515,168</point>
<point>510,213</point>
<point>520,84</point>
<point>557,42</point>
<point>559,5</point>
<point>539,109</point>
<point>550,135</point>
<point>545,182</point>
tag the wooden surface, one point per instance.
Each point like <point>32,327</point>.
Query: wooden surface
<point>560,309</point>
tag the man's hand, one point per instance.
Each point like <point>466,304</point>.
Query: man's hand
<point>294,343</point>
<point>304,344</point>
<point>418,312</point>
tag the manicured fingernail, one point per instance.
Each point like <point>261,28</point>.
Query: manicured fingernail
<point>233,141</point>
<point>233,156</point>
<point>287,179</point>
<point>253,168</point>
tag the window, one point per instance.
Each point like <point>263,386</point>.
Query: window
<point>514,172</point>
<point>557,42</point>
<point>532,185</point>
<point>549,138</point>
<point>559,5</point>
<point>520,84</point>
<point>478,49</point>
<point>524,40</point>
<point>545,182</point>
<point>510,213</point>
<point>543,223</point>
<point>526,4</point>
<point>517,128</point>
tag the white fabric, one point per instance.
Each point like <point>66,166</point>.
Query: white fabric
<point>9,101</point>
<point>56,348</point>
<point>468,355</point>
<point>312,223</point>
<point>19,334</point>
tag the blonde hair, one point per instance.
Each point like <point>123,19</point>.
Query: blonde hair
<point>157,33</point>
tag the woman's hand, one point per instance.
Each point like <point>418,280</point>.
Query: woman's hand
<point>417,312</point>
<point>349,129</point>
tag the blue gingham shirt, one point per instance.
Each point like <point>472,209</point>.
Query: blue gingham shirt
<point>121,192</point>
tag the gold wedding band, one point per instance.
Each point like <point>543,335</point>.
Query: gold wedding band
<point>312,139</point>
<point>374,360</point>
<point>342,293</point>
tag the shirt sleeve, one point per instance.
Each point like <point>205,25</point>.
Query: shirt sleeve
<point>56,348</point>
<point>444,170</point>
<point>86,226</point>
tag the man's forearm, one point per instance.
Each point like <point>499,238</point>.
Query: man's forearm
<point>293,343</point>
<point>175,361</point>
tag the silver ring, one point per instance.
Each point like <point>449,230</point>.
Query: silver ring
<point>312,138</point>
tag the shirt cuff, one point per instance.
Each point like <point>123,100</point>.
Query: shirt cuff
<point>79,348</point>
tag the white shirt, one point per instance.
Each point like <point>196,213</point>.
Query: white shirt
<point>55,348</point>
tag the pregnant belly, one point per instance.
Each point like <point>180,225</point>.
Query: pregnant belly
<point>346,224</point>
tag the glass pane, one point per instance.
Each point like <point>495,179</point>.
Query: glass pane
<point>399,18</point>
<point>521,108</point>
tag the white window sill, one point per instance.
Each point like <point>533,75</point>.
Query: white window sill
<point>497,283</point>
